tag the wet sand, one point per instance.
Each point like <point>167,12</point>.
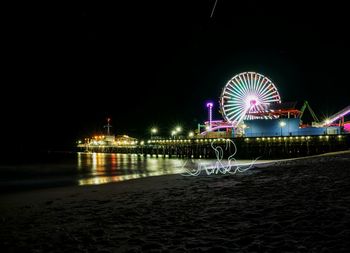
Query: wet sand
<point>300,205</point>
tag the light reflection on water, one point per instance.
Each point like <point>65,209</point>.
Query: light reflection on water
<point>63,169</point>
<point>101,168</point>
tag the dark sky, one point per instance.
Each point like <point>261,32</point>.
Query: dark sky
<point>146,63</point>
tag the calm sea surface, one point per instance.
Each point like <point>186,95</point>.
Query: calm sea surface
<point>61,169</point>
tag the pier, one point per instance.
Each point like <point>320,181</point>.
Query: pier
<point>243,147</point>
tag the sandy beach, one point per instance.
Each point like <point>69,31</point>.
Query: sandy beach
<point>299,205</point>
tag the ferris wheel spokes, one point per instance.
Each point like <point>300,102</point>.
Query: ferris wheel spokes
<point>247,94</point>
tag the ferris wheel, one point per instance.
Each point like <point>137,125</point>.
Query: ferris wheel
<point>245,95</point>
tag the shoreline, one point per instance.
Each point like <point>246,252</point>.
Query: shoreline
<point>80,188</point>
<point>293,205</point>
<point>48,182</point>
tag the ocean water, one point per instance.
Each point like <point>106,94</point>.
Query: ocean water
<point>63,169</point>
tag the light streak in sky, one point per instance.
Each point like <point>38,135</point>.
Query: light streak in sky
<point>212,11</point>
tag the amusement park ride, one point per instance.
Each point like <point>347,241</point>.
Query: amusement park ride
<point>250,96</point>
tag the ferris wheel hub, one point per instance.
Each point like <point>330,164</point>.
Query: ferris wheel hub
<point>251,101</point>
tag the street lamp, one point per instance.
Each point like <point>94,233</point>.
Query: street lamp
<point>177,130</point>
<point>153,131</point>
<point>282,124</point>
<point>190,134</point>
<point>173,133</point>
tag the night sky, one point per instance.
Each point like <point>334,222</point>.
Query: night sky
<point>146,63</point>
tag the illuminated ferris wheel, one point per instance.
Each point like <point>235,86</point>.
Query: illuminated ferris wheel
<point>246,95</point>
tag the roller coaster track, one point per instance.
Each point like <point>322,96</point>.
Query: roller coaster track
<point>337,116</point>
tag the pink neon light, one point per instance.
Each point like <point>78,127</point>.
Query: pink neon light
<point>214,121</point>
<point>347,127</point>
<point>209,104</point>
<point>251,101</point>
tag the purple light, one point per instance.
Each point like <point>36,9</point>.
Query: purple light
<point>217,127</point>
<point>210,117</point>
<point>213,121</point>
